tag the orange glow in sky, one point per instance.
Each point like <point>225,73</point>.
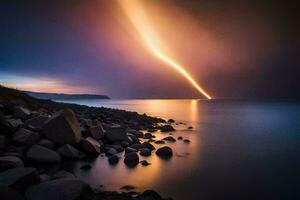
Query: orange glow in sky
<point>136,15</point>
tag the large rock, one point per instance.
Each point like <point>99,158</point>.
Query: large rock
<point>26,137</point>
<point>47,143</point>
<point>97,131</point>
<point>90,146</point>
<point>167,128</point>
<point>63,175</point>
<point>62,189</point>
<point>113,160</point>
<point>9,194</point>
<point>12,124</point>
<point>8,162</point>
<point>19,178</point>
<point>63,128</point>
<point>116,133</point>
<point>69,152</point>
<point>131,159</point>
<point>21,112</point>
<point>164,152</point>
<point>42,154</point>
<point>147,145</point>
<point>36,122</point>
<point>145,152</point>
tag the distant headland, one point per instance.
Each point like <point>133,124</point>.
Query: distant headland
<point>62,96</point>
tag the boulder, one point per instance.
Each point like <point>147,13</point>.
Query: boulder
<point>136,146</point>
<point>113,160</point>
<point>19,178</point>
<point>186,141</point>
<point>148,136</point>
<point>44,177</point>
<point>36,122</point>
<point>130,150</point>
<point>42,154</point>
<point>63,175</point>
<point>147,145</point>
<point>97,131</point>
<point>170,139</point>
<point>164,152</point>
<point>63,128</point>
<point>13,124</point>
<point>21,112</point>
<point>116,133</point>
<point>47,143</point>
<point>167,128</point>
<point>61,189</point>
<point>159,142</point>
<point>131,159</point>
<point>145,152</point>
<point>8,162</point>
<point>145,162</point>
<point>111,151</point>
<point>171,121</point>
<point>26,137</point>
<point>69,152</point>
<point>9,194</point>
<point>90,146</point>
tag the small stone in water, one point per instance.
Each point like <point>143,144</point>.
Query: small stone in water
<point>179,138</point>
<point>145,163</point>
<point>186,141</point>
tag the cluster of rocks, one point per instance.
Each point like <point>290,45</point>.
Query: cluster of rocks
<point>30,140</point>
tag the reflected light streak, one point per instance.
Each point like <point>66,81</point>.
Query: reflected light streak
<point>137,17</point>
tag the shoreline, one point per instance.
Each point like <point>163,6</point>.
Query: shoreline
<point>36,132</point>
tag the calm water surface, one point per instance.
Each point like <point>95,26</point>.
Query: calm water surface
<point>239,150</point>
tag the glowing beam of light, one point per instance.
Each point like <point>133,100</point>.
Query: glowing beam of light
<point>137,17</point>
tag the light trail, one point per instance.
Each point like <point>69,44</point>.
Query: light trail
<point>138,18</point>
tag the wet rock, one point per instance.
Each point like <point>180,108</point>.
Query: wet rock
<point>8,162</point>
<point>170,139</point>
<point>190,127</point>
<point>171,121</point>
<point>63,175</point>
<point>131,159</point>
<point>21,112</point>
<point>69,152</point>
<point>148,146</point>
<point>90,146</point>
<point>19,178</point>
<point>36,122</point>
<point>160,142</point>
<point>148,135</point>
<point>61,189</point>
<point>9,194</point>
<point>26,137</point>
<point>118,148</point>
<point>86,167</point>
<point>13,124</point>
<point>63,128</point>
<point>128,187</point>
<point>130,150</point>
<point>179,138</point>
<point>47,143</point>
<point>186,141</point>
<point>111,151</point>
<point>97,131</point>
<point>145,162</point>
<point>44,177</point>
<point>167,128</point>
<point>136,146</point>
<point>145,152</point>
<point>151,140</point>
<point>113,160</point>
<point>116,133</point>
<point>136,133</point>
<point>164,152</point>
<point>132,138</point>
<point>149,194</point>
<point>42,154</point>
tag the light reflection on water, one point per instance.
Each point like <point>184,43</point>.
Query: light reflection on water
<point>238,150</point>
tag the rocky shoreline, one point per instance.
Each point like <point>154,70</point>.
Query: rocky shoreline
<point>38,133</point>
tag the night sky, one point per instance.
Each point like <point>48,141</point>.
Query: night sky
<point>234,49</point>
